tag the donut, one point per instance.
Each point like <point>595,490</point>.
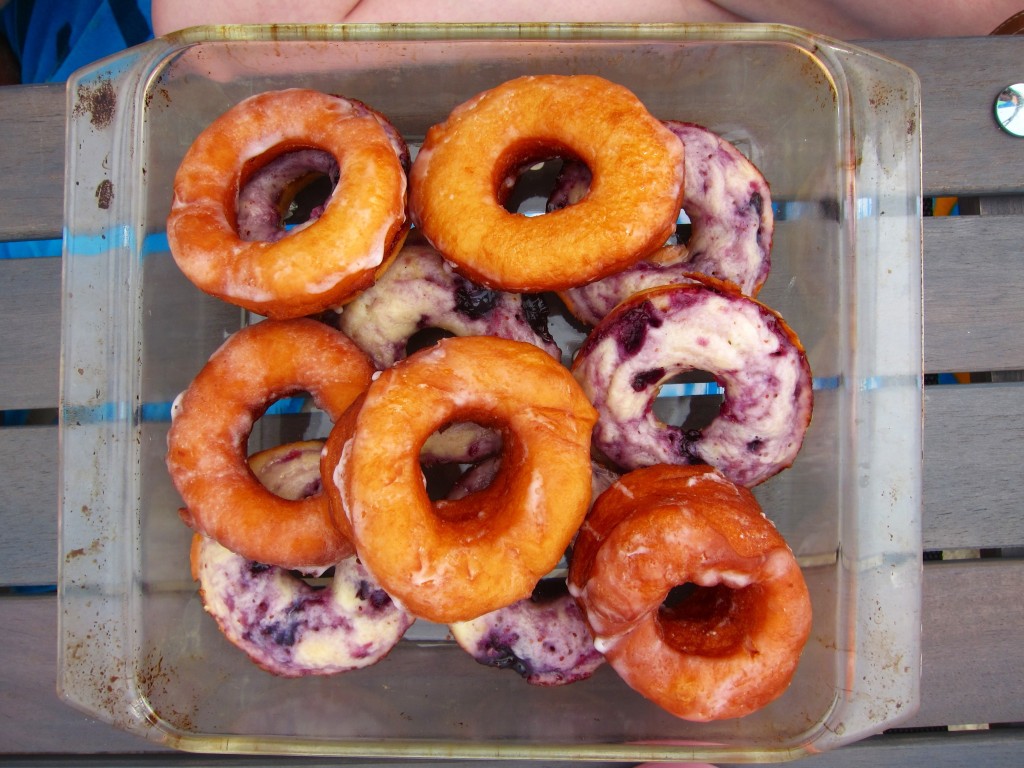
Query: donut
<point>729,205</point>
<point>315,266</point>
<point>457,183</point>
<point>284,625</point>
<point>733,643</point>
<point>211,423</point>
<point>449,561</point>
<point>705,325</point>
<point>543,638</point>
<point>420,290</point>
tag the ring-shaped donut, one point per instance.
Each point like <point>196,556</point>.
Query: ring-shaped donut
<point>730,646</point>
<point>420,290</point>
<point>729,205</point>
<point>449,561</point>
<point>316,266</point>
<point>457,183</point>
<point>283,624</point>
<point>207,441</point>
<point>704,325</point>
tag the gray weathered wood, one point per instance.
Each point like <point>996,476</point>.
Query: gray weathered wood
<point>972,492</point>
<point>973,281</point>
<point>32,178</point>
<point>968,501</point>
<point>30,352</point>
<point>965,607</point>
<point>954,106</point>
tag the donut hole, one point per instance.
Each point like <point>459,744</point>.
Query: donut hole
<point>708,621</point>
<point>460,459</point>
<point>283,192</point>
<point>537,187</point>
<point>425,338</point>
<point>690,400</point>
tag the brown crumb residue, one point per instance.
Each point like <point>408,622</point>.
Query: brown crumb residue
<point>104,194</point>
<point>99,100</point>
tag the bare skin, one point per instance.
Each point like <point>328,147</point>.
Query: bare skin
<point>845,19</point>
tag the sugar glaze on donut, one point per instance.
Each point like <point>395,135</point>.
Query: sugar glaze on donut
<point>729,205</point>
<point>284,625</point>
<point>458,181</point>
<point>707,326</point>
<point>729,646</point>
<point>318,265</point>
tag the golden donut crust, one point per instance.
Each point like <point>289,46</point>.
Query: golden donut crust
<point>458,178</point>
<point>207,442</point>
<point>731,646</point>
<point>312,268</point>
<point>449,561</point>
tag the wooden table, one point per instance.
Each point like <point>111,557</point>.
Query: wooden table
<point>972,710</point>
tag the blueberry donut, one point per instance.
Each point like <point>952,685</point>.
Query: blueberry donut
<point>284,625</point>
<point>729,205</point>
<point>421,290</point>
<point>543,638</point>
<point>706,325</point>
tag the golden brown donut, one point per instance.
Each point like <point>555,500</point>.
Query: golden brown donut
<point>458,183</point>
<point>207,442</point>
<point>314,267</point>
<point>449,561</point>
<point>733,644</point>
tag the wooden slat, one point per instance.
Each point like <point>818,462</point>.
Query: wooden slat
<point>965,607</point>
<point>30,352</point>
<point>32,178</point>
<point>968,500</point>
<point>973,281</point>
<point>28,506</point>
<point>972,493</point>
<point>960,79</point>
<point>953,106</point>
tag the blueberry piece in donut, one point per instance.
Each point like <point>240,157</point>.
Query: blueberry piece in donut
<point>421,290</point>
<point>704,325</point>
<point>283,624</point>
<point>729,204</point>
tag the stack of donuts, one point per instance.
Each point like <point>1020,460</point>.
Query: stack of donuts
<point>669,569</point>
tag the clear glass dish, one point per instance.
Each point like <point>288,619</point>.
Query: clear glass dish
<point>835,130</point>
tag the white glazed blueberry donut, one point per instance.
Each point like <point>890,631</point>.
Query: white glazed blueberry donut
<point>420,290</point>
<point>729,205</point>
<point>283,624</point>
<point>546,640</point>
<point>707,326</point>
<point>543,638</point>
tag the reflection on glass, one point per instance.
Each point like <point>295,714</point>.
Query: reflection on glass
<point>1009,113</point>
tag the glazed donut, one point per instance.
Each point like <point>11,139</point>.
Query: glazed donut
<point>729,205</point>
<point>706,325</point>
<point>284,625</point>
<point>211,422</point>
<point>730,646</point>
<point>449,561</point>
<point>420,290</point>
<point>318,265</point>
<point>457,183</point>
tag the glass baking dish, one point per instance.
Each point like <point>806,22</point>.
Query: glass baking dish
<point>835,130</point>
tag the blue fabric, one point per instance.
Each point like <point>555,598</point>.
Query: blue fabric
<point>53,38</point>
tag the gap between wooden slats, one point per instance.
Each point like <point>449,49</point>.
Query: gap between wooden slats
<point>969,635</point>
